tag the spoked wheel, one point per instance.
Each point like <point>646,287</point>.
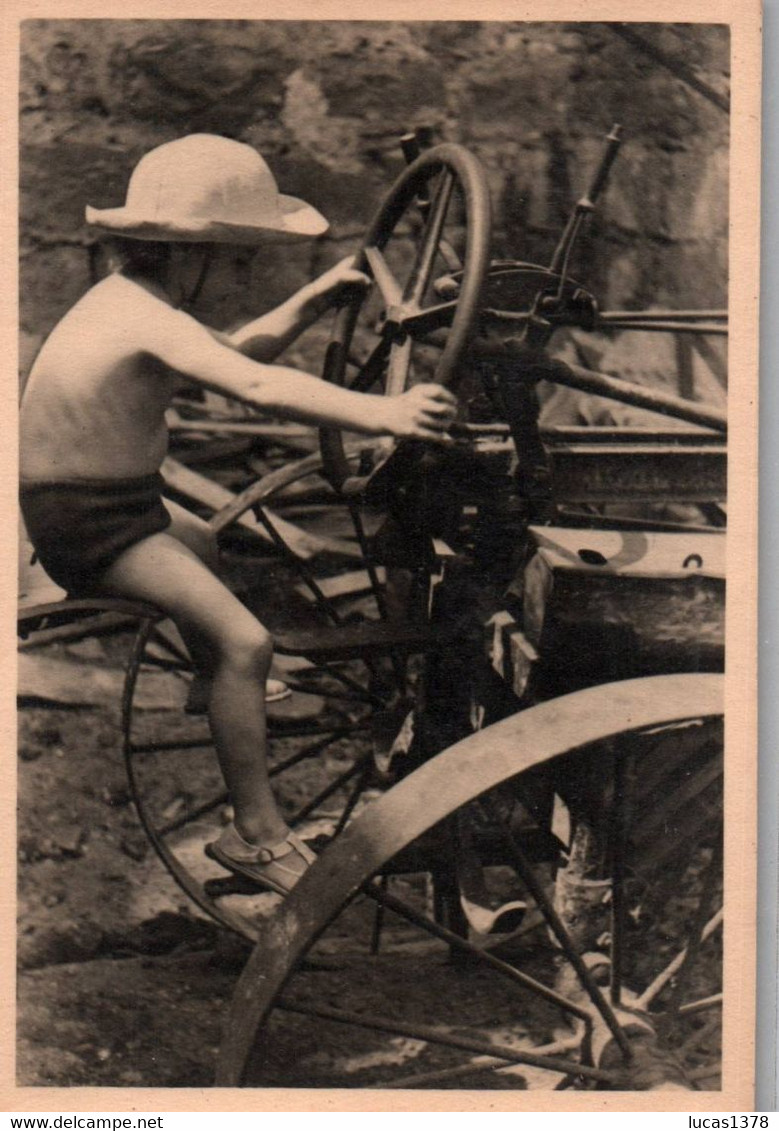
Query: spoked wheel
<point>321,749</point>
<point>435,220</point>
<point>611,980</point>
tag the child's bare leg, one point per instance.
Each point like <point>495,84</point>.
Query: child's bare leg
<point>236,650</point>
<point>195,533</point>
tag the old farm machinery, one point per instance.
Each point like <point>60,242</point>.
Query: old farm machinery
<point>514,753</point>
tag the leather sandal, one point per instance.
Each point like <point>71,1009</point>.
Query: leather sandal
<point>276,866</point>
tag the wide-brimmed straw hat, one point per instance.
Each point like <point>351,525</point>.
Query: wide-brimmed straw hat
<point>206,189</point>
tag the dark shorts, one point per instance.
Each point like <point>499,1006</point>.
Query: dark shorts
<point>80,527</point>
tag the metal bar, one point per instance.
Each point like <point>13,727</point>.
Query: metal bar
<point>702,1004</point>
<point>161,747</point>
<point>653,854</point>
<point>643,438</point>
<point>610,473</point>
<point>308,752</point>
<point>371,370</point>
<point>421,322</point>
<point>297,732</point>
<point>329,693</point>
<point>676,66</point>
<point>359,690</point>
<point>663,759</point>
<point>424,1079</point>
<point>661,315</point>
<point>379,597</point>
<point>709,885</point>
<point>655,400</point>
<point>663,978</point>
<point>588,519</point>
<point>370,565</point>
<point>184,666</point>
<point>528,877</point>
<point>305,573</point>
<point>669,327</point>
<point>353,798</point>
<point>378,918</point>
<point>323,795</point>
<point>193,814</point>
<point>695,784</point>
<point>306,728</point>
<point>425,321</point>
<point>102,624</point>
<point>685,372</point>
<point>602,385</point>
<point>484,1064</point>
<point>435,1037</point>
<point>619,827</point>
<point>484,956</point>
<point>716,362</point>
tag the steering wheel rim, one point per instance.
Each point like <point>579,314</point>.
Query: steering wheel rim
<point>453,165</point>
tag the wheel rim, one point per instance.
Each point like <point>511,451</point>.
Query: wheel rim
<point>268,991</point>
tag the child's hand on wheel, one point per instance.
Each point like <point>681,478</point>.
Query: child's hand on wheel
<point>423,413</point>
<point>338,286</point>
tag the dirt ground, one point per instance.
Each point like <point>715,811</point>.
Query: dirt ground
<point>120,983</point>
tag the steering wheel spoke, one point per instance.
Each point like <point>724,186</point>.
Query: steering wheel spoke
<point>390,288</point>
<point>399,366</point>
<point>372,369</point>
<point>431,241</point>
<point>423,322</point>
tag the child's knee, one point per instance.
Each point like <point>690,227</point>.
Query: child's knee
<point>249,648</point>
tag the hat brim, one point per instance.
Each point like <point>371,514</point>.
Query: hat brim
<point>296,219</point>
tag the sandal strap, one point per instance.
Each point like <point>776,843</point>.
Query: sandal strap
<point>301,848</point>
<point>265,853</point>
<point>269,853</point>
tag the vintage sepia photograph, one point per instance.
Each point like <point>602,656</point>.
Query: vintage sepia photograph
<point>373,491</point>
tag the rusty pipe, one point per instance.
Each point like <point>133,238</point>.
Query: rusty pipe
<point>540,367</point>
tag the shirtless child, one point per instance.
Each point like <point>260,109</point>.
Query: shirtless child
<point>93,436</point>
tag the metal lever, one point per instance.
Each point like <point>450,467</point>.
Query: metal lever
<point>614,140</point>
<point>586,204</point>
<point>412,144</point>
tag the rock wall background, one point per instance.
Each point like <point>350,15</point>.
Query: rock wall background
<point>325,103</point>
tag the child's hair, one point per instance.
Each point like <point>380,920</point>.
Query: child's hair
<point>146,259</point>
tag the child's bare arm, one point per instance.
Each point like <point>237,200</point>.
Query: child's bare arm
<point>181,343</point>
<point>266,337</point>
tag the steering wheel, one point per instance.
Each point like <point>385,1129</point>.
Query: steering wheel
<point>435,221</point>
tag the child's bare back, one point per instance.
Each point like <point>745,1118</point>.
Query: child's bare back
<point>94,404</point>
